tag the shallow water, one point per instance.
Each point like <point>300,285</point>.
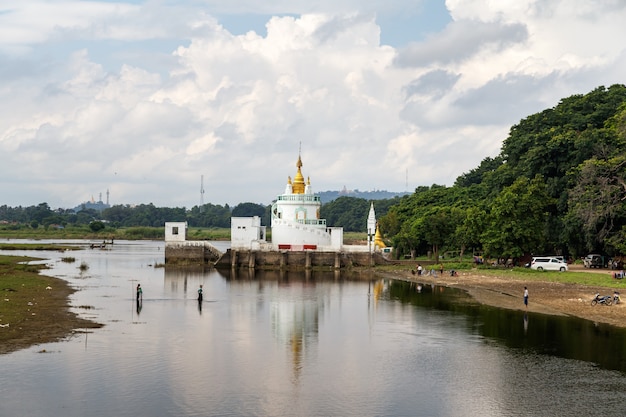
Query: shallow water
<point>302,344</point>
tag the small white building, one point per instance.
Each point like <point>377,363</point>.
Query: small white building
<point>175,231</point>
<point>247,233</point>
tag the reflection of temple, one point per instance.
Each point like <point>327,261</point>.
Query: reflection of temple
<point>296,323</point>
<point>295,313</point>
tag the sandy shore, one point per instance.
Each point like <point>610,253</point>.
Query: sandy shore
<point>544,297</point>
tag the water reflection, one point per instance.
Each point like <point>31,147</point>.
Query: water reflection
<point>285,343</point>
<point>566,337</point>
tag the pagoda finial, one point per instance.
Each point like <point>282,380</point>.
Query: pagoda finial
<point>298,179</point>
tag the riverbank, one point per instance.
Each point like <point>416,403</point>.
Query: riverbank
<point>34,308</point>
<point>555,298</point>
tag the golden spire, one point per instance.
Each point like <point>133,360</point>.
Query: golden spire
<point>378,239</point>
<point>298,180</point>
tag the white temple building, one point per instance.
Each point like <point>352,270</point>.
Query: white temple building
<point>296,229</point>
<point>295,222</point>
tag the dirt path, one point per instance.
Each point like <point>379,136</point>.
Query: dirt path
<point>544,297</point>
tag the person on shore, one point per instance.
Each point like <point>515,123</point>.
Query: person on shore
<point>200,293</point>
<point>441,269</point>
<point>526,297</point>
<point>139,293</point>
<point>419,269</point>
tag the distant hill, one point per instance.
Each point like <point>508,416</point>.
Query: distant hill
<point>327,196</point>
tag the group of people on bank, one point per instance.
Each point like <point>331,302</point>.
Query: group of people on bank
<point>419,270</point>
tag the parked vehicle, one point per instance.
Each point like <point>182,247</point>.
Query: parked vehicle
<point>548,264</point>
<point>604,299</point>
<point>593,261</point>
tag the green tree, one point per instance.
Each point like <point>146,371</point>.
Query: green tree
<point>469,230</point>
<point>518,219</point>
<point>437,227</point>
<point>347,212</point>
<point>96,226</point>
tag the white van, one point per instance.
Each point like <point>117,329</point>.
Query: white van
<point>548,264</point>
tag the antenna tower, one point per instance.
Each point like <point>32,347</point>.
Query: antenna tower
<point>201,190</point>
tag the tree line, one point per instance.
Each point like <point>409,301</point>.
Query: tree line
<point>558,186</point>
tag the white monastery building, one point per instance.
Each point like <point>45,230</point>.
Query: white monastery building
<point>295,226</point>
<point>296,223</point>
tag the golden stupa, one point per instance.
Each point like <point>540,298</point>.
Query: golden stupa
<point>298,180</point>
<point>378,239</point>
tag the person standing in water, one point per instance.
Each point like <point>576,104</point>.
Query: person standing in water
<point>200,293</point>
<point>139,298</point>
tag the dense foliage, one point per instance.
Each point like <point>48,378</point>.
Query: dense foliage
<point>557,186</point>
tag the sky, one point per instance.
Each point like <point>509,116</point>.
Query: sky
<point>138,102</point>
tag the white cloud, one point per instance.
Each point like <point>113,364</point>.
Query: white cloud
<point>93,105</point>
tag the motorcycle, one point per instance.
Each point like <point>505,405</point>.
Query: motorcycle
<point>605,299</point>
<point>616,298</point>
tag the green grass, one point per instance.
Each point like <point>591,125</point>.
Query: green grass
<point>36,246</point>
<point>212,233</point>
<point>570,277</point>
<point>19,283</point>
<point>121,233</point>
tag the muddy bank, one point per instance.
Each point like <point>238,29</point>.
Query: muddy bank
<point>544,297</point>
<point>37,312</point>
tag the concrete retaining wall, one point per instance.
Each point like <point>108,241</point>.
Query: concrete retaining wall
<point>295,259</point>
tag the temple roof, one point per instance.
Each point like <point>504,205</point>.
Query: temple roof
<point>298,180</point>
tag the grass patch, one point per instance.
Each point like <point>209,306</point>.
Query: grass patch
<point>36,246</point>
<point>593,279</point>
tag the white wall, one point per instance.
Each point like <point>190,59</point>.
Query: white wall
<point>246,230</point>
<point>175,231</point>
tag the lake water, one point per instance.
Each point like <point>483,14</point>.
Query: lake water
<point>295,344</point>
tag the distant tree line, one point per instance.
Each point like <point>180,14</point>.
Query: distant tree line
<point>208,215</point>
<point>348,212</point>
